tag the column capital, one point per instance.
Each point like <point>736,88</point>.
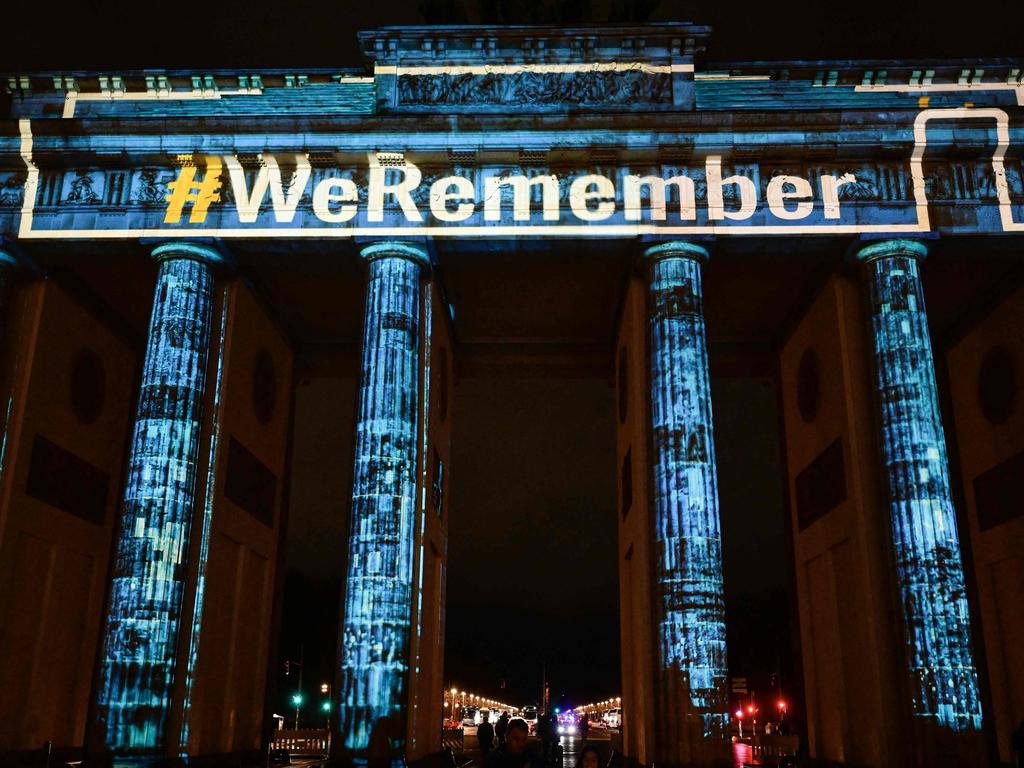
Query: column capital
<point>882,249</point>
<point>383,249</point>
<point>14,260</point>
<point>8,262</point>
<point>205,254</point>
<point>677,249</point>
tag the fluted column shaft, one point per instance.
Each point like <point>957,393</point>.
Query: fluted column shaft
<point>139,645</point>
<point>926,547</point>
<point>378,589</point>
<point>687,532</point>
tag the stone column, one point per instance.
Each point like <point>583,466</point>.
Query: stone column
<point>943,679</point>
<point>375,630</point>
<point>139,644</point>
<point>689,602</point>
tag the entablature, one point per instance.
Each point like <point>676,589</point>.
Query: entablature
<point>520,70</point>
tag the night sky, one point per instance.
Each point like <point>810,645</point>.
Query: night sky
<point>532,575</point>
<point>122,34</point>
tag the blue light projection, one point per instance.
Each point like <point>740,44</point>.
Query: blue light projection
<point>926,546</point>
<point>428,333</point>
<point>141,630</point>
<point>378,595</point>
<point>688,545</point>
<point>207,528</point>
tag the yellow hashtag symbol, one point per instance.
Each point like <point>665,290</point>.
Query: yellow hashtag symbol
<point>185,189</point>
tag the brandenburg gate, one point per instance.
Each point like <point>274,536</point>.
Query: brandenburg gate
<point>821,207</point>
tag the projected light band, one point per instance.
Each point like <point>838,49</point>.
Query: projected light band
<point>378,596</point>
<point>141,632</point>
<point>691,609</point>
<point>943,678</point>
<point>421,549</point>
<point>206,529</point>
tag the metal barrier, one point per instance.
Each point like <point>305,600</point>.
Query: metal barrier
<point>453,738</point>
<point>305,742</point>
<point>774,747</point>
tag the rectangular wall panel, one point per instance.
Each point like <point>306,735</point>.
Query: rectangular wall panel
<point>636,537</point>
<point>70,379</point>
<point>986,385</point>
<point>844,586</point>
<point>829,716</point>
<point>426,670</point>
<point>248,428</point>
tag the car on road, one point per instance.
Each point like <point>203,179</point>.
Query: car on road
<point>567,725</point>
<point>530,716</point>
<point>613,718</point>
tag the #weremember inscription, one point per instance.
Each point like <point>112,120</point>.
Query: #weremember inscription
<point>284,195</point>
<point>589,197</point>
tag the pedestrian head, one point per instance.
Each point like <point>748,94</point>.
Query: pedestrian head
<point>516,735</point>
<point>589,757</point>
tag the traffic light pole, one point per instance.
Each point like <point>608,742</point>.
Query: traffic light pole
<point>297,696</point>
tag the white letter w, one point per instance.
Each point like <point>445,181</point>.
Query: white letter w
<point>269,175</point>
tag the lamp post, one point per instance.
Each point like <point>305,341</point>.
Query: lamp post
<point>739,719</point>
<point>781,704</point>
<point>297,701</point>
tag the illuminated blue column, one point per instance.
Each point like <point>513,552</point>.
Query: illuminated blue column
<point>926,547</point>
<point>141,632</point>
<point>690,607</point>
<point>378,590</point>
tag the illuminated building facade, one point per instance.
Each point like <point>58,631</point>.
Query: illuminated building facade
<point>181,249</point>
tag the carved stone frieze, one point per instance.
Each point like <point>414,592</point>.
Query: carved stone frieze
<point>12,187</point>
<point>591,88</point>
<point>151,186</point>
<point>874,182</point>
<point>82,192</point>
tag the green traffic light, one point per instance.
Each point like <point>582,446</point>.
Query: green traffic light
<point>326,706</point>
<point>297,700</point>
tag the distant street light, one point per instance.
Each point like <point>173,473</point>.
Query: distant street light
<point>739,719</point>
